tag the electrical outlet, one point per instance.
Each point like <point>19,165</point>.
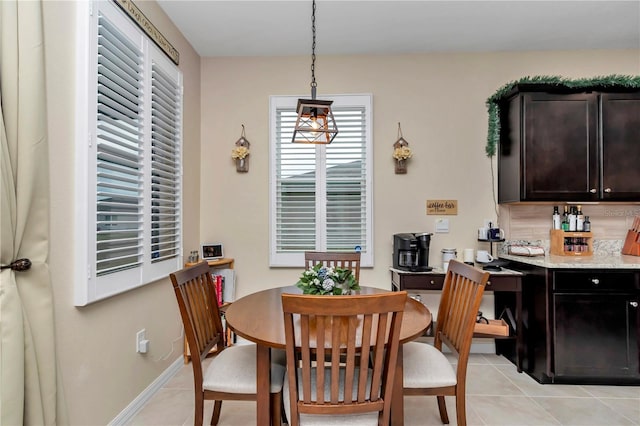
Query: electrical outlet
<point>141,338</point>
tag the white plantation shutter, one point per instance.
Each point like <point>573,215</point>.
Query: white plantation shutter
<point>129,201</point>
<point>119,151</point>
<point>321,194</point>
<point>295,186</point>
<point>346,189</point>
<point>165,165</point>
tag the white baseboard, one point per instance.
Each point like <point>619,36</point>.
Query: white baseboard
<point>136,405</point>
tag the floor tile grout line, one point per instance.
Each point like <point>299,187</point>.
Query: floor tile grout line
<point>635,422</point>
<point>533,400</point>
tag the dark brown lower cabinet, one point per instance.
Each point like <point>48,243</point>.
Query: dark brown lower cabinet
<point>595,336</point>
<point>581,326</point>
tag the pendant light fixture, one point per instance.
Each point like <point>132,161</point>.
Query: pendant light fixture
<point>315,123</point>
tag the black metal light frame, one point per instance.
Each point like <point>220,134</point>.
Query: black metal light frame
<point>315,123</point>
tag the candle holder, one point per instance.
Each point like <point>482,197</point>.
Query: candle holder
<point>240,153</point>
<point>401,153</point>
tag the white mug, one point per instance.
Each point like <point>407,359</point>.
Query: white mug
<point>483,233</point>
<point>483,256</point>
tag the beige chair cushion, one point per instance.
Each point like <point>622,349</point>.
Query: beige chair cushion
<point>328,420</point>
<point>234,370</point>
<point>426,367</point>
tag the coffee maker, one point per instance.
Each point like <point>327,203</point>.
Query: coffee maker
<point>411,251</point>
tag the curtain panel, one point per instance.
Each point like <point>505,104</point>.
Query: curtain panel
<point>29,378</point>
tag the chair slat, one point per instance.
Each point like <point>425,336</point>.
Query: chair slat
<point>341,260</point>
<point>353,329</point>
<point>198,304</point>
<point>459,303</point>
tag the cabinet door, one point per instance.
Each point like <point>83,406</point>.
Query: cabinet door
<point>620,145</point>
<point>559,147</point>
<point>595,336</point>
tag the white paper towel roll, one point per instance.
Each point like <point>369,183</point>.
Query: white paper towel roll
<point>467,255</point>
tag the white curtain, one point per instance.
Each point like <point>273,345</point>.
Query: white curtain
<point>30,391</point>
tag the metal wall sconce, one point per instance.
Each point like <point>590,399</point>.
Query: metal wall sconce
<point>315,123</point>
<point>401,153</point>
<point>241,153</point>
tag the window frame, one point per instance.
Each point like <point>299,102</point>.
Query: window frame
<point>296,259</point>
<point>88,287</point>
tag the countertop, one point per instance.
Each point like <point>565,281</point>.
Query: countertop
<point>439,271</point>
<point>605,261</point>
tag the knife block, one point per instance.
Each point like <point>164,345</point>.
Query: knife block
<point>565,243</point>
<point>631,244</point>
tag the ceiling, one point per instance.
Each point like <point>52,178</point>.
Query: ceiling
<point>348,27</point>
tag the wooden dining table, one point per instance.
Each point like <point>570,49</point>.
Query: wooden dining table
<point>258,318</point>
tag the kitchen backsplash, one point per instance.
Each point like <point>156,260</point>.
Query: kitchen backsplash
<point>600,247</point>
<point>530,224</point>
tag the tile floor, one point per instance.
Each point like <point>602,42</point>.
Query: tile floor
<point>496,395</point>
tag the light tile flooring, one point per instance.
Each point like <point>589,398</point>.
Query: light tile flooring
<point>496,395</point>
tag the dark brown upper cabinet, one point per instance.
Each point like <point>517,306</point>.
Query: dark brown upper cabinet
<point>569,147</point>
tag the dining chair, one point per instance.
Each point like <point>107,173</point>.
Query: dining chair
<point>357,391</point>
<point>427,371</point>
<point>344,260</point>
<point>231,375</point>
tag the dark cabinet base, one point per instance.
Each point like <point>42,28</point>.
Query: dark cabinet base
<point>581,326</point>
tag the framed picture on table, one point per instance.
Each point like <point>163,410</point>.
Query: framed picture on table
<point>212,251</point>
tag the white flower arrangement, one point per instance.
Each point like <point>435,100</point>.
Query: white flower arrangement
<point>402,153</point>
<point>327,280</point>
<point>239,152</point>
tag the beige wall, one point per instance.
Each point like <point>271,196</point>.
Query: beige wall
<point>101,372</point>
<point>438,98</point>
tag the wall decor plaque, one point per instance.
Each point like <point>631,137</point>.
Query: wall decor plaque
<point>442,207</point>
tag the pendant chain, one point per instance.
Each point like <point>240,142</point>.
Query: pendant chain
<point>313,50</point>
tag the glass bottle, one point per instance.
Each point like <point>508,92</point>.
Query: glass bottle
<point>579,219</point>
<point>587,224</point>
<point>572,219</point>
<point>556,218</point>
<point>565,219</point>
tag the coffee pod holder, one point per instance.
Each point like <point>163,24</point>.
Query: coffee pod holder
<point>631,244</point>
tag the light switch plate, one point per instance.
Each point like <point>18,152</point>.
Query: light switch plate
<point>442,226</point>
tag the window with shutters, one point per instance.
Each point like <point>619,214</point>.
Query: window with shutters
<point>321,195</point>
<point>129,150</point>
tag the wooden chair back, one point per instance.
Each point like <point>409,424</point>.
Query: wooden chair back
<point>358,335</point>
<point>336,259</point>
<point>460,300</point>
<point>196,296</point>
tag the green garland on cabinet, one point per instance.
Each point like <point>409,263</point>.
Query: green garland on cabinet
<point>626,81</point>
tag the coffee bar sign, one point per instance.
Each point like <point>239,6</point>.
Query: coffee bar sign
<point>442,207</point>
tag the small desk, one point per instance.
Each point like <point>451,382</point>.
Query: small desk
<point>258,317</point>
<point>504,281</point>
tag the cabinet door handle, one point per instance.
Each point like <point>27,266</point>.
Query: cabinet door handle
<point>593,190</point>
<point>634,304</point>
<point>607,190</point>
<point>488,283</point>
<point>432,282</point>
<point>595,281</point>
